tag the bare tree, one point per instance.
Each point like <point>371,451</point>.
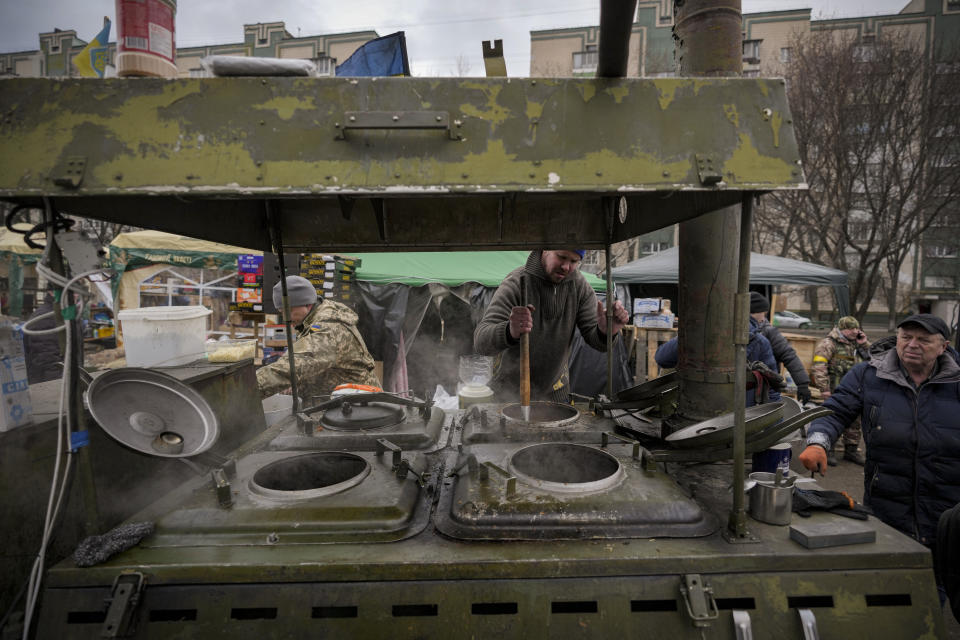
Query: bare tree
<point>461,66</point>
<point>876,125</point>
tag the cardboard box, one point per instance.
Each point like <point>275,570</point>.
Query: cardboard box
<point>654,320</point>
<point>15,408</point>
<point>646,305</point>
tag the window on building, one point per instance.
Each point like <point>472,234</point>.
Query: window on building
<point>751,73</point>
<point>326,66</point>
<point>591,257</point>
<point>751,51</point>
<point>864,52</point>
<point>586,60</point>
<point>54,46</point>
<point>784,54</point>
<point>941,251</point>
<point>939,282</point>
<point>654,247</point>
<point>261,41</point>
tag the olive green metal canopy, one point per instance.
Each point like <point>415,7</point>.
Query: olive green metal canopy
<point>395,163</point>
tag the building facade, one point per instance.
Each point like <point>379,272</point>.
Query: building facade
<point>930,277</point>
<point>268,40</point>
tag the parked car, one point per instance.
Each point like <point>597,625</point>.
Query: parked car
<point>790,319</point>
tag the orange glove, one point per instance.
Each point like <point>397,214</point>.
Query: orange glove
<point>814,457</point>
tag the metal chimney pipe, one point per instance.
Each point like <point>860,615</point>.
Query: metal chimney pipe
<point>616,21</point>
<point>708,43</point>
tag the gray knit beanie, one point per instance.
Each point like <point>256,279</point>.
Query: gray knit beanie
<point>300,291</point>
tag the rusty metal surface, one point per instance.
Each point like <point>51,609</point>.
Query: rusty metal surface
<point>526,161</point>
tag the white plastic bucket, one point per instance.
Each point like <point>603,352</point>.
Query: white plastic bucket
<point>277,407</point>
<point>163,336</point>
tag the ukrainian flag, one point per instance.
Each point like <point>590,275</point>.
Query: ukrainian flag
<point>386,56</point>
<point>92,61</point>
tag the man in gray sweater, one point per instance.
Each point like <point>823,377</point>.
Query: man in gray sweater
<point>559,301</point>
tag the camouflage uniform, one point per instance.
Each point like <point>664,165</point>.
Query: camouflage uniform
<point>832,359</point>
<point>328,351</point>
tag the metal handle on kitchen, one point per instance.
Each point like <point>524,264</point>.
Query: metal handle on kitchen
<point>397,120</point>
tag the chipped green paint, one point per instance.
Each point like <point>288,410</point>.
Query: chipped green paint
<point>731,112</point>
<point>666,90</point>
<point>618,93</point>
<point>492,111</point>
<point>746,160</point>
<point>776,121</point>
<point>286,107</point>
<point>534,109</point>
<point>587,90</point>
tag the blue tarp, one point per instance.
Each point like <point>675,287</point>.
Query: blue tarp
<point>386,56</point>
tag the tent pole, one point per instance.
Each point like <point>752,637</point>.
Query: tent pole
<point>607,252</point>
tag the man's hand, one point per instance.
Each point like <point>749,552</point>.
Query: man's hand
<point>521,321</point>
<point>824,395</point>
<point>803,393</point>
<point>620,317</point>
<point>861,337</point>
<point>814,458</point>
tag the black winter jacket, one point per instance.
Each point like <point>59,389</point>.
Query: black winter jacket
<point>912,472</point>
<point>783,352</point>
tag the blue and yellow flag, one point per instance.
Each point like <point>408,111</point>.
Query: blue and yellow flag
<point>386,56</point>
<point>92,61</point>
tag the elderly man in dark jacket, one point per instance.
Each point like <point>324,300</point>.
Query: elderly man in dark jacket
<point>908,400</point>
<point>783,353</point>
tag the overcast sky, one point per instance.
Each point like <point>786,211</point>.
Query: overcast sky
<point>439,32</point>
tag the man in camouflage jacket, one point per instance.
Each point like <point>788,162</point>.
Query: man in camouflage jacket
<point>845,346</point>
<point>328,349</point>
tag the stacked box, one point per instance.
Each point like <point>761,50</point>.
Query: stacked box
<point>333,275</point>
<point>249,284</point>
<point>652,313</point>
<point>15,408</point>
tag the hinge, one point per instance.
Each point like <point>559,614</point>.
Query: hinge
<point>122,605</point>
<point>70,173</point>
<point>698,597</point>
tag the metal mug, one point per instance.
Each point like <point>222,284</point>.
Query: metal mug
<point>771,497</point>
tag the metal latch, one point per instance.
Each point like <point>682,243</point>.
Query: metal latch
<point>122,605</point>
<point>224,490</point>
<point>706,171</point>
<point>70,173</point>
<point>701,606</point>
<point>398,121</point>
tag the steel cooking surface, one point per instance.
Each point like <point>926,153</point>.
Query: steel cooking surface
<point>293,497</point>
<point>568,468</point>
<point>309,476</point>
<point>486,497</point>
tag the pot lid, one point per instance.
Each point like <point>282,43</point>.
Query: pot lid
<point>152,412</point>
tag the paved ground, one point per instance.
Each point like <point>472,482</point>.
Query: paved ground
<point>848,477</point>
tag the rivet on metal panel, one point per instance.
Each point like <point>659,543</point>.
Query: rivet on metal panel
<point>666,174</point>
<point>599,173</point>
<point>396,175</point>
<point>353,118</point>
<point>533,175</point>
<point>263,122</point>
<point>439,119</point>
<point>119,176</point>
<point>273,538</point>
<point>463,175</point>
<point>767,113</point>
<point>397,119</point>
